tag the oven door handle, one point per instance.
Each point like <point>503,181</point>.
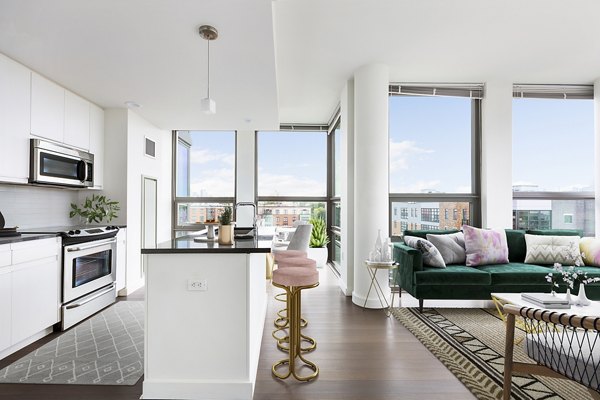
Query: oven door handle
<point>96,244</point>
<point>88,299</point>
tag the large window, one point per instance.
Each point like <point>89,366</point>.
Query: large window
<point>335,226</point>
<point>434,136</point>
<point>553,157</point>
<point>205,177</point>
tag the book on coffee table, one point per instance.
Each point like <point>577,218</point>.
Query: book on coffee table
<point>545,300</point>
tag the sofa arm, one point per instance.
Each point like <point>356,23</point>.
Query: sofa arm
<point>410,260</point>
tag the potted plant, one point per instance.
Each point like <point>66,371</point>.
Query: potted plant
<point>225,227</point>
<point>97,209</point>
<point>318,241</point>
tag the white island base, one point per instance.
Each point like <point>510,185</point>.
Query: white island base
<point>203,344</point>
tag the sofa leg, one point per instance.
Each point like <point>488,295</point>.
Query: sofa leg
<point>420,305</point>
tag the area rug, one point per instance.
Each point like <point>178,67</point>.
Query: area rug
<point>470,343</point>
<point>107,349</point>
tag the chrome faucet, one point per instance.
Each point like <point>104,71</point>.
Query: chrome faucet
<point>247,203</point>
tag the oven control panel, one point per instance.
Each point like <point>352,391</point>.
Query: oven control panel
<point>87,232</point>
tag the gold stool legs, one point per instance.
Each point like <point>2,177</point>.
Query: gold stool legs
<point>283,322</point>
<point>294,308</point>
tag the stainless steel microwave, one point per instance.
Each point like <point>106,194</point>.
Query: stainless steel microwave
<point>55,164</point>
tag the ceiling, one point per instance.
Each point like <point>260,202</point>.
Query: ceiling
<point>286,61</point>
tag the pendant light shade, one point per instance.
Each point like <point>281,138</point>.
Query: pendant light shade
<point>208,33</point>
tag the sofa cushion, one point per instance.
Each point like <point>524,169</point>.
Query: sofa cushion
<point>543,249</point>
<point>422,233</point>
<point>452,275</point>
<point>451,246</point>
<point>517,247</point>
<point>516,274</point>
<point>555,232</point>
<point>485,246</point>
<point>590,251</point>
<point>431,255</point>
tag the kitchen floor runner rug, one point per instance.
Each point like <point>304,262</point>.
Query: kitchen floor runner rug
<point>107,349</point>
<point>470,343</point>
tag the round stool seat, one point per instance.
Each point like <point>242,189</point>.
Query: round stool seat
<point>283,254</point>
<point>301,262</point>
<point>295,276</point>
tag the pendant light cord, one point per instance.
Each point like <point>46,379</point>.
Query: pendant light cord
<point>208,80</point>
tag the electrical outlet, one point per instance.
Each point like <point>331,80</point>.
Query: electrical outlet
<point>197,285</point>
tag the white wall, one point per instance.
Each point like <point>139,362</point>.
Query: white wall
<point>36,207</point>
<point>597,152</point>
<point>496,156</point>
<point>125,164</point>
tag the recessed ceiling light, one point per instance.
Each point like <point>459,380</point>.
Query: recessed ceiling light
<point>132,104</point>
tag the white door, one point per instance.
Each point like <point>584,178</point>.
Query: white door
<point>149,207</point>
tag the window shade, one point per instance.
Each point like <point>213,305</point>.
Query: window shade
<point>521,91</point>
<point>474,91</point>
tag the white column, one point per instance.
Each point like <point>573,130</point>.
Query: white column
<point>371,193</point>
<point>347,195</point>
<point>496,156</point>
<point>597,153</point>
<point>244,171</point>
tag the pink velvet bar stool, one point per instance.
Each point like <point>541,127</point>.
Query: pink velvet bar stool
<point>282,320</point>
<point>293,280</point>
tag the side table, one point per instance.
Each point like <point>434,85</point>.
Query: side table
<point>372,268</point>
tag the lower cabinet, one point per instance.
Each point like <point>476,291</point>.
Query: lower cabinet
<point>30,275</point>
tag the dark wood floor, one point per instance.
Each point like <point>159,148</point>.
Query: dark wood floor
<point>361,353</point>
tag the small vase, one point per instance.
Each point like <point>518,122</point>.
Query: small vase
<point>225,234</point>
<point>582,299</point>
<point>571,299</point>
<point>378,242</point>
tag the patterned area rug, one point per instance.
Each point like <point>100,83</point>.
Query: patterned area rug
<point>470,343</point>
<point>107,349</point>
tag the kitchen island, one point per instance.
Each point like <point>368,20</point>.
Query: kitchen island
<point>205,312</point>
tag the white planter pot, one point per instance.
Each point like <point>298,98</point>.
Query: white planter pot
<point>319,254</point>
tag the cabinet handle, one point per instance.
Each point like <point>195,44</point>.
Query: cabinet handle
<point>95,296</point>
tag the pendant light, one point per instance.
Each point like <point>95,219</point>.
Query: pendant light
<point>208,33</point>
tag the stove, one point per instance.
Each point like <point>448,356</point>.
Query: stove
<point>88,269</point>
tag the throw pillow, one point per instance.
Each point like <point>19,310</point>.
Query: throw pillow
<point>543,249</point>
<point>451,247</point>
<point>485,246</point>
<point>590,251</point>
<point>431,255</point>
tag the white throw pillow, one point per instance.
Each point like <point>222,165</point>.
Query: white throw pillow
<point>452,247</point>
<point>545,249</point>
<point>431,255</point>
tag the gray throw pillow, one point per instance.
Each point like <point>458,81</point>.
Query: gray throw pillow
<point>451,247</point>
<point>431,255</point>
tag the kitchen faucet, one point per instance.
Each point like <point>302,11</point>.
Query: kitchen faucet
<point>247,203</point>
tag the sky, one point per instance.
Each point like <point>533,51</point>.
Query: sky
<point>430,150</point>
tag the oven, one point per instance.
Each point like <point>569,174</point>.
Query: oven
<point>89,272</point>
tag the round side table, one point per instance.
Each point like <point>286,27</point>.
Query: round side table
<point>372,268</point>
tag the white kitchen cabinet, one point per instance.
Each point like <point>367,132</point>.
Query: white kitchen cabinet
<point>97,143</point>
<point>47,108</point>
<point>5,296</point>
<point>77,121</point>
<point>29,291</point>
<point>15,103</point>
<point>121,259</point>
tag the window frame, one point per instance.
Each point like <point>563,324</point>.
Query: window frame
<point>473,198</point>
<point>177,200</point>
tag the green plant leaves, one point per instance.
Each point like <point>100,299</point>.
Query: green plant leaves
<point>318,235</point>
<point>96,209</point>
<point>225,218</point>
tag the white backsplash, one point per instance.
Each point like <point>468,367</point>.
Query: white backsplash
<point>35,207</point>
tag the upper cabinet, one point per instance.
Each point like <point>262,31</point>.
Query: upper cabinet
<point>97,143</point>
<point>47,108</point>
<point>15,102</point>
<point>77,121</point>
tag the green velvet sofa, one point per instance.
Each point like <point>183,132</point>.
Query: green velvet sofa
<point>459,282</point>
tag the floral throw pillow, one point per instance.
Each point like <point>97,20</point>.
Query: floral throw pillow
<point>431,255</point>
<point>485,246</point>
<point>590,251</point>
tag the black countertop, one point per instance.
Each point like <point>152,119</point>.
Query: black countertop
<point>25,237</point>
<point>187,244</point>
